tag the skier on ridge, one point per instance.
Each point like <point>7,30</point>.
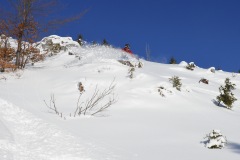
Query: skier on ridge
<point>127,49</point>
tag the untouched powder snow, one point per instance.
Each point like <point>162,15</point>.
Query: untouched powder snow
<point>141,125</point>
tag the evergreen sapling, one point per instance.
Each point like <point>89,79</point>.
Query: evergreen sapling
<point>226,96</point>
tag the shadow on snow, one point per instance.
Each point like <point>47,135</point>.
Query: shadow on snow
<point>234,147</point>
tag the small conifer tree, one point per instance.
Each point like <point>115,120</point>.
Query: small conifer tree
<point>176,82</point>
<point>172,61</point>
<point>80,39</point>
<point>190,66</point>
<point>215,140</point>
<point>105,43</point>
<point>226,96</point>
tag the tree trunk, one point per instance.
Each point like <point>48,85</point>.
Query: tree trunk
<point>19,49</point>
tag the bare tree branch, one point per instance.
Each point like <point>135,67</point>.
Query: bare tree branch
<point>52,102</point>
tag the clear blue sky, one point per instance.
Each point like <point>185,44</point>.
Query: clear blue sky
<point>206,32</point>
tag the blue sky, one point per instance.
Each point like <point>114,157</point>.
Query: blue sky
<point>206,32</point>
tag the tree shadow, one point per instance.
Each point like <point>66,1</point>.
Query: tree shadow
<point>204,142</point>
<point>234,147</point>
<point>217,103</point>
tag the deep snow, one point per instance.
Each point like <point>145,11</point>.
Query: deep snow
<point>141,125</point>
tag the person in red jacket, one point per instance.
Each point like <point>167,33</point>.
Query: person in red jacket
<point>127,49</point>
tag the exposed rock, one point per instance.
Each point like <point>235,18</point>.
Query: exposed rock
<point>55,44</point>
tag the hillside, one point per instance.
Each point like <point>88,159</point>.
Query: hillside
<point>141,125</point>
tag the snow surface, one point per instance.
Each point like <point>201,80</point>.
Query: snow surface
<point>142,125</point>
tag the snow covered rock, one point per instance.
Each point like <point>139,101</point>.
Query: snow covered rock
<point>54,44</point>
<point>216,140</point>
<point>183,64</point>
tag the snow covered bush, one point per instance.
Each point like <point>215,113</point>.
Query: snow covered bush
<point>203,80</point>
<point>176,82</point>
<point>226,96</point>
<point>215,140</point>
<point>130,72</point>
<point>191,66</point>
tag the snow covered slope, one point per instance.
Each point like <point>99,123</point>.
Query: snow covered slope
<point>141,125</point>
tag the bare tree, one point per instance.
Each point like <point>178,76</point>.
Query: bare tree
<point>148,52</point>
<point>23,22</point>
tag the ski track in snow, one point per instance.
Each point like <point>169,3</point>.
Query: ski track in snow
<point>35,139</point>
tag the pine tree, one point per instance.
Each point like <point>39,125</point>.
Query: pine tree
<point>191,66</point>
<point>226,96</point>
<point>80,39</point>
<point>172,61</point>
<point>176,82</point>
<point>105,43</point>
<point>215,140</point>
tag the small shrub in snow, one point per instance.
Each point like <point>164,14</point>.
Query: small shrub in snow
<point>160,91</point>
<point>80,40</point>
<point>140,64</point>
<point>191,66</point>
<point>203,80</point>
<point>176,82</point>
<point>172,61</point>
<point>80,87</point>
<point>212,69</point>
<point>52,104</point>
<point>226,96</point>
<point>215,140</point>
<point>105,43</point>
<point>127,63</point>
<point>131,72</point>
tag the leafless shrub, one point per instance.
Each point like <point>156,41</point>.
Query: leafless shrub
<point>148,53</point>
<point>52,104</point>
<point>91,106</point>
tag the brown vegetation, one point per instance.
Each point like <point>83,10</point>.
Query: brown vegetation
<point>23,24</point>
